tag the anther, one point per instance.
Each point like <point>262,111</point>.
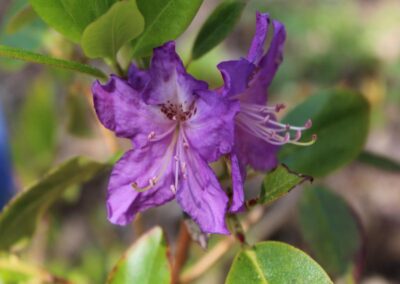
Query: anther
<point>308,124</point>
<point>185,145</point>
<point>151,135</point>
<point>173,188</point>
<point>153,181</point>
<point>279,107</point>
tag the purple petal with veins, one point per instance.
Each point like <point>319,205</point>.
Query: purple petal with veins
<point>177,126</point>
<point>258,134</point>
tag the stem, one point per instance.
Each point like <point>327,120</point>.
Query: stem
<point>117,68</point>
<point>138,226</point>
<point>182,251</point>
<point>238,230</point>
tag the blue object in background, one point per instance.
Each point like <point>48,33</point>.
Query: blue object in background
<point>7,189</point>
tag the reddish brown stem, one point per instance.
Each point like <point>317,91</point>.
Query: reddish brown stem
<point>182,251</point>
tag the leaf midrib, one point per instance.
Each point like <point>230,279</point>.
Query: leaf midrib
<point>253,258</point>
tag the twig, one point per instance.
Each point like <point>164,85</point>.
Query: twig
<point>182,250</point>
<point>138,227</point>
<point>273,220</point>
<point>211,257</point>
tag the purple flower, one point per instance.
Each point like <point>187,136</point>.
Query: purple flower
<point>177,126</point>
<point>258,135</point>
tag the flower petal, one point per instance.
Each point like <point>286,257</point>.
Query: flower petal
<point>267,67</point>
<point>200,195</point>
<point>238,177</point>
<point>138,78</point>
<point>254,151</point>
<point>257,45</point>
<point>139,166</point>
<point>269,64</point>
<point>236,75</point>
<point>169,80</point>
<point>211,129</point>
<point>120,109</point>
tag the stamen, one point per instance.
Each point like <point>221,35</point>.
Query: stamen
<point>185,145</point>
<point>279,107</point>
<point>259,121</point>
<point>176,171</point>
<point>298,135</point>
<point>308,124</point>
<point>265,120</point>
<point>141,189</point>
<point>173,188</point>
<point>164,165</point>
<point>153,181</point>
<point>312,141</point>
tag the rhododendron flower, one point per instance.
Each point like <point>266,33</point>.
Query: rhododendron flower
<point>258,135</point>
<point>177,125</point>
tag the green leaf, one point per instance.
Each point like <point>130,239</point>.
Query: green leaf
<point>105,36</point>
<point>164,20</point>
<point>18,219</point>
<point>70,17</point>
<point>21,54</point>
<point>340,120</point>
<point>217,26</point>
<point>279,182</point>
<point>378,161</point>
<point>275,263</point>
<point>330,229</point>
<point>24,16</point>
<point>145,262</point>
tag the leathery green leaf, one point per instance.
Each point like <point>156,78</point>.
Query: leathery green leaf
<point>274,263</point>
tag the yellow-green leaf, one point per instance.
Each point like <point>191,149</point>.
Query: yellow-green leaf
<point>105,36</point>
<point>145,262</point>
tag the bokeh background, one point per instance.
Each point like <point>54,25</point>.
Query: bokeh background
<point>48,117</point>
